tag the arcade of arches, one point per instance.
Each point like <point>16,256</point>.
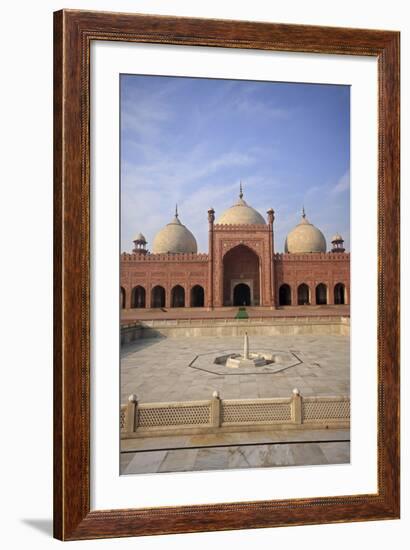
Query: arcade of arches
<point>237,294</point>
<point>159,297</point>
<point>302,294</point>
<point>240,268</point>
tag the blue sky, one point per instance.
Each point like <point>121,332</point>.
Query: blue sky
<point>190,141</point>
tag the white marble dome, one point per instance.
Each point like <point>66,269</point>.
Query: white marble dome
<point>174,238</point>
<point>305,238</point>
<point>139,237</point>
<point>241,214</point>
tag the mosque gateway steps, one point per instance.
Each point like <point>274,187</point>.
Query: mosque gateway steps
<point>181,328</point>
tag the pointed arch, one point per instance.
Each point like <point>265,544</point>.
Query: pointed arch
<point>178,296</point>
<point>122,297</point>
<point>241,265</point>
<point>285,295</point>
<point>242,295</point>
<point>197,296</point>
<point>340,294</point>
<point>138,297</point>
<point>158,296</point>
<point>321,294</point>
<point>303,294</point>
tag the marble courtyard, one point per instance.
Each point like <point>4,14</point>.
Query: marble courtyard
<point>193,397</point>
<point>164,370</point>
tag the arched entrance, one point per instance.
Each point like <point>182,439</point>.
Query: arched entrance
<point>339,294</point>
<point>303,295</point>
<point>158,296</point>
<point>321,294</point>
<point>138,296</point>
<point>285,297</point>
<point>241,267</point>
<point>178,296</point>
<point>241,295</point>
<point>197,296</point>
<point>122,297</point>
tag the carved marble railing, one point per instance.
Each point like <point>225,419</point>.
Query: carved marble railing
<point>216,414</point>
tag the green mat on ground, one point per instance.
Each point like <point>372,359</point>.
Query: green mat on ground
<point>242,313</point>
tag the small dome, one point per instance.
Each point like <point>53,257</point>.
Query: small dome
<point>174,238</point>
<point>305,238</point>
<point>336,238</point>
<point>139,237</point>
<point>240,214</point>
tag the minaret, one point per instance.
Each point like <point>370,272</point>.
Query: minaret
<point>140,244</point>
<point>211,219</point>
<point>271,219</point>
<point>338,242</point>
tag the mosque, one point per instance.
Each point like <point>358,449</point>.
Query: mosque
<point>241,267</point>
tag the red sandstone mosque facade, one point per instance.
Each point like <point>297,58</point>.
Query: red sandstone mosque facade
<point>240,268</point>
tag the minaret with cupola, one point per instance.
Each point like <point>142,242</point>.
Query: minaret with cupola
<point>140,244</point>
<point>338,243</point>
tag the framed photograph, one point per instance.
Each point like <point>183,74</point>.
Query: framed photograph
<point>226,275</point>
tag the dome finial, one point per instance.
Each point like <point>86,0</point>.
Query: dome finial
<point>241,213</point>
<point>174,238</point>
<point>305,238</point>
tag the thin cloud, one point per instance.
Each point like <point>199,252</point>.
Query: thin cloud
<point>343,184</point>
<point>190,141</point>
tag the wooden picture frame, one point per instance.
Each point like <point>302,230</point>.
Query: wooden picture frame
<point>74,32</point>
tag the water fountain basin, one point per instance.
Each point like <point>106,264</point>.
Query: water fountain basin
<point>247,359</point>
<point>236,360</point>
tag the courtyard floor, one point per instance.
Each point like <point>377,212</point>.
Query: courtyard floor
<point>158,369</point>
<point>239,450</point>
<point>182,369</point>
